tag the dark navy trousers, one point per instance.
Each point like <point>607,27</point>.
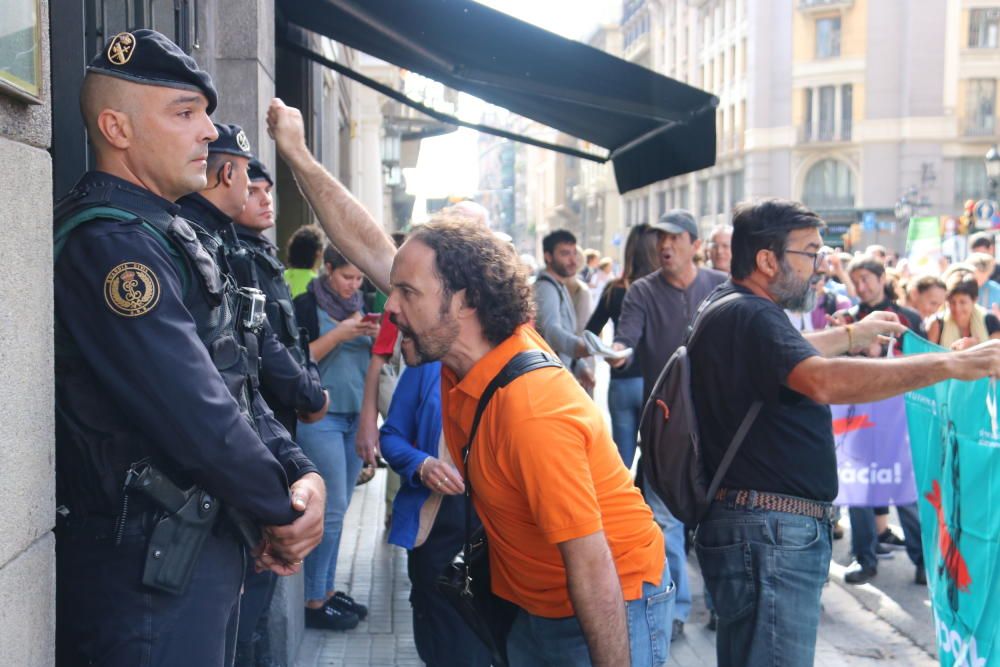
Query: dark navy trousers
<point>106,617</point>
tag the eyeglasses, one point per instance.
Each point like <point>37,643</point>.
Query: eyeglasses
<point>817,257</point>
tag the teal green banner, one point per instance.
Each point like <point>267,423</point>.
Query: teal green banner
<point>956,462</point>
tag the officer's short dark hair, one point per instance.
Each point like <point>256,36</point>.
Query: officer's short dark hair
<point>304,247</point>
<point>214,165</point>
<point>765,225</point>
<point>553,239</point>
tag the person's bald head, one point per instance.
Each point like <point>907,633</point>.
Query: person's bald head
<point>153,136</point>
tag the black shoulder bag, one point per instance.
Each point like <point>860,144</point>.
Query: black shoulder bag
<point>465,582</point>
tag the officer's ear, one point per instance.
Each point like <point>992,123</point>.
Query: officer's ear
<point>226,173</point>
<point>115,127</point>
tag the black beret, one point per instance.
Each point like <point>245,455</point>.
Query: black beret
<point>233,140</point>
<point>148,57</point>
<point>258,172</point>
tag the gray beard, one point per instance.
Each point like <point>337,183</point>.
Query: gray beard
<point>792,294</point>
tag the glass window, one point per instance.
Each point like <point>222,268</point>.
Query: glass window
<point>704,197</point>
<point>828,37</point>
<point>684,197</point>
<point>983,27</point>
<point>20,64</point>
<point>981,110</point>
<point>644,202</point>
<point>829,184</point>
<point>846,111</point>
<point>661,203</point>
<point>827,109</point>
<point>735,188</point>
<point>970,180</point>
<point>809,114</point>
<point>720,194</point>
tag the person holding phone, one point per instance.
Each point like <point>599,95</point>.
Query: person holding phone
<point>340,341</point>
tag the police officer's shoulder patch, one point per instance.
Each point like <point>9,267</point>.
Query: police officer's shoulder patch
<point>131,289</point>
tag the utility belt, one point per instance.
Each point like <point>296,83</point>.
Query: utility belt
<point>776,502</point>
<point>176,521</point>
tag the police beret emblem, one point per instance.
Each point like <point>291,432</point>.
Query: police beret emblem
<point>131,289</point>
<point>242,141</point>
<point>121,48</point>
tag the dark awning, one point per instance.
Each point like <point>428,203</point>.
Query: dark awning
<point>653,127</point>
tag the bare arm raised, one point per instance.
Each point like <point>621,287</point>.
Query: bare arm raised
<point>349,225</point>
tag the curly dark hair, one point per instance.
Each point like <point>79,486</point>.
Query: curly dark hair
<point>468,256</point>
<point>304,247</point>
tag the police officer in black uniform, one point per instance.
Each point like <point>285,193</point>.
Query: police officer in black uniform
<point>288,384</point>
<point>165,463</point>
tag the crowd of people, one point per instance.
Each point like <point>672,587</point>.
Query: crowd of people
<point>215,409</point>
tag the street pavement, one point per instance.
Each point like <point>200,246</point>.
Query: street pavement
<point>886,622</point>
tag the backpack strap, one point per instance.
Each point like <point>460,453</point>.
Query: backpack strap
<point>748,418</point>
<point>544,277</point>
<point>68,226</point>
<point>521,363</point>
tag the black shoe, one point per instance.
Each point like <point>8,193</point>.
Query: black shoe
<point>330,618</point>
<point>891,539</point>
<point>713,621</point>
<point>345,602</point>
<point>677,631</point>
<point>883,551</point>
<point>920,577</point>
<point>857,574</point>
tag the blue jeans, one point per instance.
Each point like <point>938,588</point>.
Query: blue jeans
<point>765,571</point>
<point>329,444</point>
<point>673,540</point>
<point>535,641</point>
<point>864,535</point>
<point>625,407</point>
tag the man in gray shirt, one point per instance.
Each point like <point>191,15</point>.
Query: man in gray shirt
<point>556,315</point>
<point>654,321</point>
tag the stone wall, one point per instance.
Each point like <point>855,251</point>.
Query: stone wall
<point>27,484</point>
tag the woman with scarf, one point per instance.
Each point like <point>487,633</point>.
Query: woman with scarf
<point>963,323</point>
<point>340,342</point>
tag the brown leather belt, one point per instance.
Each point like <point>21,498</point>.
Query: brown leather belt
<point>776,502</point>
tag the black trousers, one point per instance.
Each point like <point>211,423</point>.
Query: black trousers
<point>258,589</point>
<point>443,639</point>
<point>106,617</point>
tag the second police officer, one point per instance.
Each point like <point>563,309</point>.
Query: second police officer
<point>164,459</point>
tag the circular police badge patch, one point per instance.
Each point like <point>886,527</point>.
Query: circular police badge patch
<point>121,47</point>
<point>131,289</point>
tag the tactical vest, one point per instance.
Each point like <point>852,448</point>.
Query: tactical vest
<point>255,267</point>
<point>103,442</point>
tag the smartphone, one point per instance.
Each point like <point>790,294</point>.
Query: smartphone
<point>372,318</point>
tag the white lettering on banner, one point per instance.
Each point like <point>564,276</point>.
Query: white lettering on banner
<point>951,643</point>
<point>925,401</point>
<point>987,439</point>
<point>870,475</point>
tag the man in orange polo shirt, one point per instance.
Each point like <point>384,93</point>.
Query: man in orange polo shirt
<point>571,541</point>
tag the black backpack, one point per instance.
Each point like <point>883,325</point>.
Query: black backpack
<point>672,458</point>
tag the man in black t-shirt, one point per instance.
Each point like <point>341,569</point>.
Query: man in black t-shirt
<point>765,544</point>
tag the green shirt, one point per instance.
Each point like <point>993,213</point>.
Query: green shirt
<point>298,280</point>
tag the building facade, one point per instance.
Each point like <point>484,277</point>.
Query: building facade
<point>847,105</point>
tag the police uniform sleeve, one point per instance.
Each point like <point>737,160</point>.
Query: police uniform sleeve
<point>285,379</point>
<point>118,295</point>
<point>277,439</point>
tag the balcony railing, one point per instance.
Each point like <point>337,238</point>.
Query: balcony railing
<point>815,134</point>
<point>979,127</point>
